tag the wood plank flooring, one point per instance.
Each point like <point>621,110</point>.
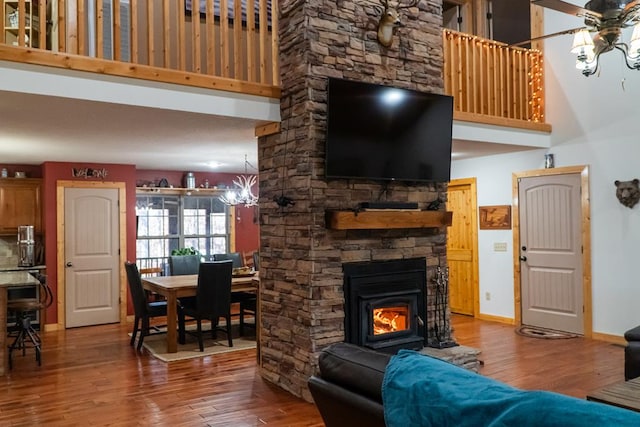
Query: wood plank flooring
<point>91,376</point>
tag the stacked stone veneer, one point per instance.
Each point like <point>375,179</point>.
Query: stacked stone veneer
<point>301,260</point>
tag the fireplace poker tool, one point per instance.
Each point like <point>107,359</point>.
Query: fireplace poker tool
<point>442,291</point>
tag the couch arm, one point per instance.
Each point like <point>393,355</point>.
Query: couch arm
<point>340,407</point>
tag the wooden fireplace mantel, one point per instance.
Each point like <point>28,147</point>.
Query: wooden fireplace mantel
<point>388,218</point>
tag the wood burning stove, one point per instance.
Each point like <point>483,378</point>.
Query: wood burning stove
<point>385,304</point>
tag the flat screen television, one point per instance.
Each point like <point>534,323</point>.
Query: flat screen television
<point>384,133</point>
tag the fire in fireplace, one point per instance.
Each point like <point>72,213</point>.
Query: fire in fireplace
<point>390,319</point>
<point>385,304</point>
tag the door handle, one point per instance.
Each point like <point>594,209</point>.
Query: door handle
<point>69,264</point>
<point>523,258</point>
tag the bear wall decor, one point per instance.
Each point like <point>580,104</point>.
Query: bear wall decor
<point>628,192</point>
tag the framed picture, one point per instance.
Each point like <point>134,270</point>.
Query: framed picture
<point>495,217</point>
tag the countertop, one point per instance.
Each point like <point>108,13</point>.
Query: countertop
<point>13,278</point>
<point>14,268</point>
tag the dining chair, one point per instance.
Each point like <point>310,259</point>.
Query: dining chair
<point>212,301</point>
<point>256,260</point>
<point>143,309</point>
<point>248,306</point>
<point>236,257</point>
<point>184,264</point>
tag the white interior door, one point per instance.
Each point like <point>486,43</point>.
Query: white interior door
<point>91,256</point>
<point>551,252</point>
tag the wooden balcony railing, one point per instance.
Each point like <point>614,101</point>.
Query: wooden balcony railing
<point>493,83</point>
<point>220,44</point>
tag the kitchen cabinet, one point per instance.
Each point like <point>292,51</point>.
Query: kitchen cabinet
<point>20,204</point>
<point>13,19</point>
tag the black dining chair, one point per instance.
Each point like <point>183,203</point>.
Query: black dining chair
<point>212,301</point>
<point>180,265</point>
<point>248,305</point>
<point>236,257</point>
<point>143,309</point>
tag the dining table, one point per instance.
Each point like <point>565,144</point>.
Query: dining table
<point>175,287</point>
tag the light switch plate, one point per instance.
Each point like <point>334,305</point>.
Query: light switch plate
<point>500,246</point>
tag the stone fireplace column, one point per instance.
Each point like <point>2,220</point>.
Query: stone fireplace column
<point>301,260</point>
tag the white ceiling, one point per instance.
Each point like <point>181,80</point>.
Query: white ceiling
<point>59,115</point>
<point>38,128</point>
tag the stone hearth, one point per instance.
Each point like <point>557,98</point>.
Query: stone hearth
<point>301,259</point>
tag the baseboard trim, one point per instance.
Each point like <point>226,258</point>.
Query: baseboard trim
<point>50,327</point>
<point>499,319</point>
<point>613,339</point>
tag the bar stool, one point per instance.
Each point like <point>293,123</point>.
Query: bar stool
<point>26,334</point>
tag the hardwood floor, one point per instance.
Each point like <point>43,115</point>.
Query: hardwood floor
<point>573,366</point>
<point>91,376</point>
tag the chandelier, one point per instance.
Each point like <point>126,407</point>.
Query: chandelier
<point>242,193</point>
<point>589,51</point>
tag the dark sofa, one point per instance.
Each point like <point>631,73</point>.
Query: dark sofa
<point>348,389</point>
<point>632,354</point>
<point>419,390</point>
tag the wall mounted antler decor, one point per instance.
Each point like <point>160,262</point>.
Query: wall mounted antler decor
<point>390,20</point>
<point>628,192</point>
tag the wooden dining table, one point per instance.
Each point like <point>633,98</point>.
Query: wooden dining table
<point>175,287</point>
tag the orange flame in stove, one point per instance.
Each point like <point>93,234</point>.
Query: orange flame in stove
<point>390,319</point>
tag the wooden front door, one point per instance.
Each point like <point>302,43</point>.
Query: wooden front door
<point>462,246</point>
<point>550,252</point>
<point>92,259</point>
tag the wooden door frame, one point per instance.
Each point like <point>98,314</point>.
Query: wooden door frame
<point>586,241</point>
<point>473,209</point>
<point>61,186</point>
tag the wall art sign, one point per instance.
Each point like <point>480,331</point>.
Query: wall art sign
<point>495,217</point>
<point>89,173</point>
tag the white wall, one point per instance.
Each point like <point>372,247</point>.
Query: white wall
<point>595,122</point>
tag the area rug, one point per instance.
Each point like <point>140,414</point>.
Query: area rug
<point>548,334</point>
<point>157,344</point>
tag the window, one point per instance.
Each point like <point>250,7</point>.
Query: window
<point>168,222</point>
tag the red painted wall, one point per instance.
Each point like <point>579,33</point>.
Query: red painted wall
<point>247,228</point>
<point>52,172</point>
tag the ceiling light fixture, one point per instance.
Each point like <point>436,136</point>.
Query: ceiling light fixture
<point>589,50</point>
<point>242,194</point>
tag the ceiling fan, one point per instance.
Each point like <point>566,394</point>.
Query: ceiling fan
<point>605,18</point>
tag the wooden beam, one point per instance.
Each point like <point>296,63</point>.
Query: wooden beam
<point>268,129</point>
<point>124,69</point>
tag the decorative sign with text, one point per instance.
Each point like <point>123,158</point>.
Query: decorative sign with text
<point>89,173</point>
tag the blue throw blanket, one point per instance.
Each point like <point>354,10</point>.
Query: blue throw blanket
<point>419,390</point>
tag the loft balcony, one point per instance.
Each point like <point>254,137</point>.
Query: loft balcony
<point>218,45</point>
<point>226,49</point>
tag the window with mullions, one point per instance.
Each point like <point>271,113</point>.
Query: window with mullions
<point>168,222</point>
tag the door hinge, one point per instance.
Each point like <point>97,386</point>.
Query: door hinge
<point>459,19</point>
<point>489,16</point>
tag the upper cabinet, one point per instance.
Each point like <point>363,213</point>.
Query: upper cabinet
<point>20,204</point>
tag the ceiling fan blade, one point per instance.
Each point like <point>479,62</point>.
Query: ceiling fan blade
<point>562,6</point>
<point>559,33</point>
